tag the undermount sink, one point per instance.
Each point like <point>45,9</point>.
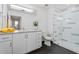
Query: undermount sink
<point>7,30</point>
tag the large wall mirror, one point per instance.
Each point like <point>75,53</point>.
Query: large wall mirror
<point>16,22</point>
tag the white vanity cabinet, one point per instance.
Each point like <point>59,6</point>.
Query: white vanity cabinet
<point>19,41</point>
<point>5,44</point>
<point>26,42</point>
<point>33,41</point>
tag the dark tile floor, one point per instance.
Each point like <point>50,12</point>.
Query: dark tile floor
<point>54,49</point>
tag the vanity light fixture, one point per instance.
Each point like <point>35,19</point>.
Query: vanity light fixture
<point>21,8</point>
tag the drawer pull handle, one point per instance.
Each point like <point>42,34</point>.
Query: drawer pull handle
<point>10,44</point>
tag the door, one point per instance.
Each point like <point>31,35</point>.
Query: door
<point>6,47</point>
<point>19,43</point>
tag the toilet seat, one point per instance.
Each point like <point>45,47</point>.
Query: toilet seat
<point>48,39</point>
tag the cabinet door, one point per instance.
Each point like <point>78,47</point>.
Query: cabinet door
<point>19,43</point>
<point>6,47</point>
<point>38,40</point>
<point>30,42</point>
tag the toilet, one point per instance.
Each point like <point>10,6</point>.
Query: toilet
<point>47,39</point>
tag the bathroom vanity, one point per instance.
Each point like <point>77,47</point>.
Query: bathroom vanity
<point>20,42</point>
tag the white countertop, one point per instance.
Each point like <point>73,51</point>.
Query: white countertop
<point>20,31</point>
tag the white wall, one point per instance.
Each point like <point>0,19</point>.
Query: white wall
<point>66,33</point>
<point>42,17</point>
<point>3,15</point>
<point>27,19</point>
<point>53,12</point>
<point>0,16</point>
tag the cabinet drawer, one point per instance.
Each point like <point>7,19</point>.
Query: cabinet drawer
<point>18,36</point>
<point>5,37</point>
<point>6,47</point>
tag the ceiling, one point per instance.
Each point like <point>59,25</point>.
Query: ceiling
<point>40,5</point>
